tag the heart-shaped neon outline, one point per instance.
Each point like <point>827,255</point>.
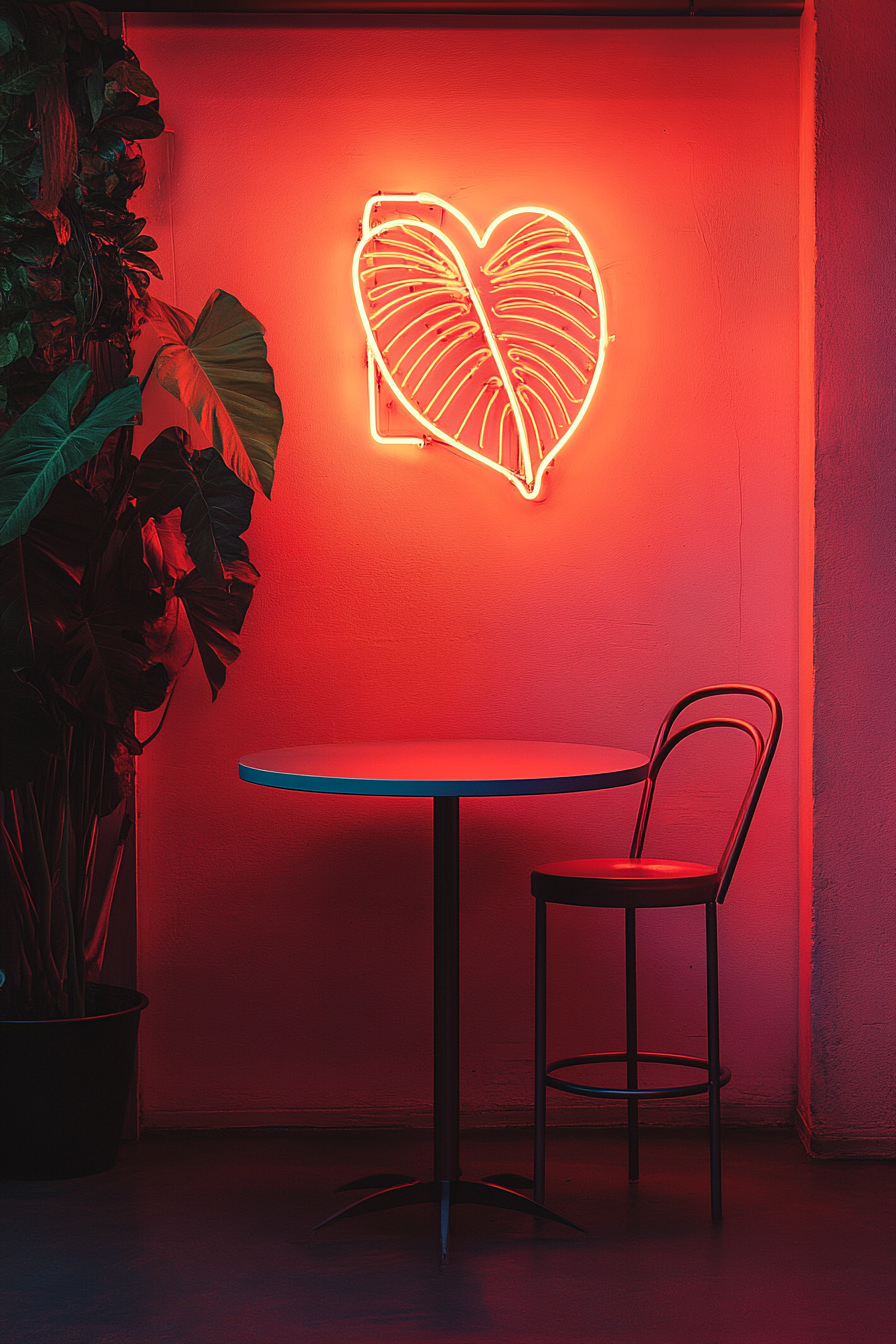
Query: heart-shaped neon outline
<point>529,487</point>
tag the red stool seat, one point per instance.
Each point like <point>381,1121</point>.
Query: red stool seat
<point>625,883</point>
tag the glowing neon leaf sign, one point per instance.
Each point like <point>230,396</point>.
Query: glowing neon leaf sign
<point>493,343</point>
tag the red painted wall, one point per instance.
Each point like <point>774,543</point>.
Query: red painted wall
<point>848,945</point>
<point>285,939</point>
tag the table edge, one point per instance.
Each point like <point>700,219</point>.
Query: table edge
<point>445,788</point>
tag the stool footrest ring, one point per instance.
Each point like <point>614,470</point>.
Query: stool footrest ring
<point>638,1093</point>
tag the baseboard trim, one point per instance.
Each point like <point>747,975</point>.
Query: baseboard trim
<point>856,1144</point>
<point>652,1114</point>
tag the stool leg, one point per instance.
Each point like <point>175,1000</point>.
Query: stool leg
<point>631,1041</point>
<point>712,1034</point>
<point>540,1044</point>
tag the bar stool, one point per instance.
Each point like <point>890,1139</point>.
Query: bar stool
<point>633,884</point>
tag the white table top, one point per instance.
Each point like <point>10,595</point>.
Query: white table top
<point>471,768</point>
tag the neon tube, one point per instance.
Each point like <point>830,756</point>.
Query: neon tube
<point>371,401</point>
<point>470,328</point>
<point>530,391</point>
<point>483,356</point>
<point>404,264</point>
<point>515,305</point>
<point>519,285</point>
<point>542,345</point>
<point>477,354</point>
<point>444,349</point>
<point>516,358</point>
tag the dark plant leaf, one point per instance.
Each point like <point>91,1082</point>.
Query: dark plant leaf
<point>143,563</point>
<point>37,248</point>
<point>107,666</point>
<point>119,781</point>
<point>41,446</point>
<point>215,519</point>
<point>94,87</point>
<point>18,147</point>
<point>9,347</point>
<point>129,75</point>
<point>141,262</point>
<point>25,338</point>
<point>15,203</point>
<point>133,230</point>
<point>40,577</point>
<point>121,100</point>
<point>85,18</point>
<point>110,147</point>
<point>139,123</point>
<point>215,505</point>
<point>216,616</point>
<point>141,242</point>
<point>22,78</point>
<point>13,276</point>
<point>217,366</point>
<point>10,36</point>
<point>172,542</point>
<point>106,648</point>
<point>61,223</point>
<point>155,485</point>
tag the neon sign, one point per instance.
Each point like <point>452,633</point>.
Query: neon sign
<point>499,362</point>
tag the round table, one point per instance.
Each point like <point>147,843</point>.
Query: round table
<point>445,771</point>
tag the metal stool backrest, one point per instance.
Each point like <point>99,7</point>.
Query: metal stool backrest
<point>667,741</point>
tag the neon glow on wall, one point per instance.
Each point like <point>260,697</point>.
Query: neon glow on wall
<point>496,351</point>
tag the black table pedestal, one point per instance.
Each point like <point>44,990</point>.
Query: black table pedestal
<point>446,1188</point>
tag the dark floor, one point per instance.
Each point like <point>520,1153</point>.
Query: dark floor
<point>206,1239</point>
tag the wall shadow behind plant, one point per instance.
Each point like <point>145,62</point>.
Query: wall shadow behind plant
<point>113,567</point>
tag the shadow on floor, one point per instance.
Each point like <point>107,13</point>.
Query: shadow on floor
<point>205,1238</point>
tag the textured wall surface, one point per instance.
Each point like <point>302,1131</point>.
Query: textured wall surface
<point>848,1033</point>
<point>286,939</point>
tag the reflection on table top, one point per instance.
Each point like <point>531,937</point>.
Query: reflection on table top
<point>471,768</point>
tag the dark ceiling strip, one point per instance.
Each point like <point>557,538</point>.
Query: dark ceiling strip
<point>602,9</point>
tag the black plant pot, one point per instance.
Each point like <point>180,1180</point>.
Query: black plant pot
<point>64,1087</point>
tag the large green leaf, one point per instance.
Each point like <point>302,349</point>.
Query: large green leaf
<point>41,447</point>
<point>20,78</point>
<point>218,367</point>
<point>215,505</point>
<point>10,36</point>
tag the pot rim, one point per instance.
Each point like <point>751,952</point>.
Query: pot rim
<point>141,1003</point>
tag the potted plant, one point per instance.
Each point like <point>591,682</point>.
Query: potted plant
<point>114,566</point>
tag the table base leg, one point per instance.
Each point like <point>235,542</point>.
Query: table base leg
<point>446,1193</point>
<point>380,1181</point>
<point>444,1216</point>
